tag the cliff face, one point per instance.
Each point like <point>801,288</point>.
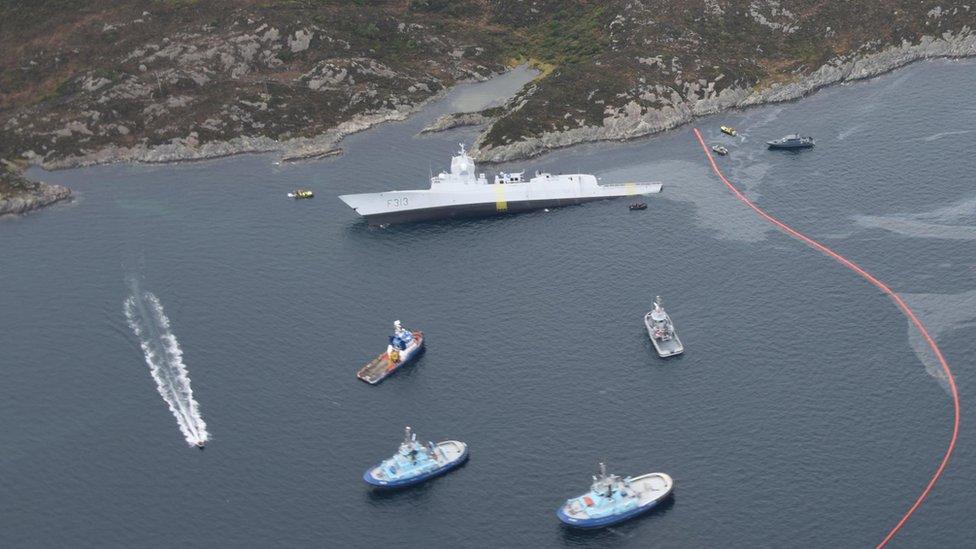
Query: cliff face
<point>88,82</point>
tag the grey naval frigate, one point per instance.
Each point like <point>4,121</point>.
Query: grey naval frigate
<point>463,193</point>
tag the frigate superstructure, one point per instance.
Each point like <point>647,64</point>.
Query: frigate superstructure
<point>463,192</point>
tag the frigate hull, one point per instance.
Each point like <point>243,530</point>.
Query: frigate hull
<point>467,211</point>
<point>463,193</point>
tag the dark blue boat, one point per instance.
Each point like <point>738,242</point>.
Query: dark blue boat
<point>415,463</point>
<point>792,142</point>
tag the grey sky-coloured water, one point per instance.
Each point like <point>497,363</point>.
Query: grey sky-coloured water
<point>800,415</point>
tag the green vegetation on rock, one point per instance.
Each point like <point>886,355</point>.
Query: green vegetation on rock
<point>87,81</point>
<point>19,194</point>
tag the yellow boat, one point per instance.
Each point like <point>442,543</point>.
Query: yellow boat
<point>301,193</point>
<point>729,130</point>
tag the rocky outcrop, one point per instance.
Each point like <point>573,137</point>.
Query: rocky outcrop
<point>19,195</point>
<point>216,79</point>
<point>123,81</point>
<point>634,120</point>
<point>457,120</point>
<point>189,148</point>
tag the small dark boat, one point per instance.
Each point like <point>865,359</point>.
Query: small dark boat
<point>638,206</point>
<point>792,142</point>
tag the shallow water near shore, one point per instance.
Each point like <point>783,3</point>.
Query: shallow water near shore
<point>802,413</point>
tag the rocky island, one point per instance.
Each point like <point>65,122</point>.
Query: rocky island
<point>91,82</point>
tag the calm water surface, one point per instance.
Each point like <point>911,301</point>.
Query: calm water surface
<point>803,412</point>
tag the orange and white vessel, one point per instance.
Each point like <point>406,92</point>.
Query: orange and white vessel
<point>404,347</point>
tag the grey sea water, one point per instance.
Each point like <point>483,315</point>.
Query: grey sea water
<point>802,413</point>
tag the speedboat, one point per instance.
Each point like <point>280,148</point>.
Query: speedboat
<point>720,150</point>
<point>638,206</point>
<point>404,347</point>
<point>301,193</point>
<point>612,499</point>
<point>415,463</point>
<point>201,444</point>
<point>791,142</point>
<point>729,130</point>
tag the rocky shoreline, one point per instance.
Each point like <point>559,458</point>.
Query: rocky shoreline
<point>189,149</point>
<point>20,195</point>
<point>628,122</point>
<point>180,81</point>
<point>457,120</point>
<point>633,121</point>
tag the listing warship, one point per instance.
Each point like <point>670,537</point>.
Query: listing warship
<point>661,331</point>
<point>463,193</point>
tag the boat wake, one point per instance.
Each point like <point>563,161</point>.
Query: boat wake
<point>936,136</point>
<point>145,315</point>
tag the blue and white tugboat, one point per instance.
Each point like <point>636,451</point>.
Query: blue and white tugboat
<point>415,462</point>
<point>404,347</point>
<point>612,499</point>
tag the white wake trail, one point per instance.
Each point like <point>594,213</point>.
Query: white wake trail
<point>165,359</point>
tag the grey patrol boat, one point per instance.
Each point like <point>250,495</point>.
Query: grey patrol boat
<point>661,331</point>
<point>464,193</point>
<point>791,142</point>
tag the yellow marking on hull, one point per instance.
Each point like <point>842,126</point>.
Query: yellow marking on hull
<point>631,189</point>
<point>501,205</point>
